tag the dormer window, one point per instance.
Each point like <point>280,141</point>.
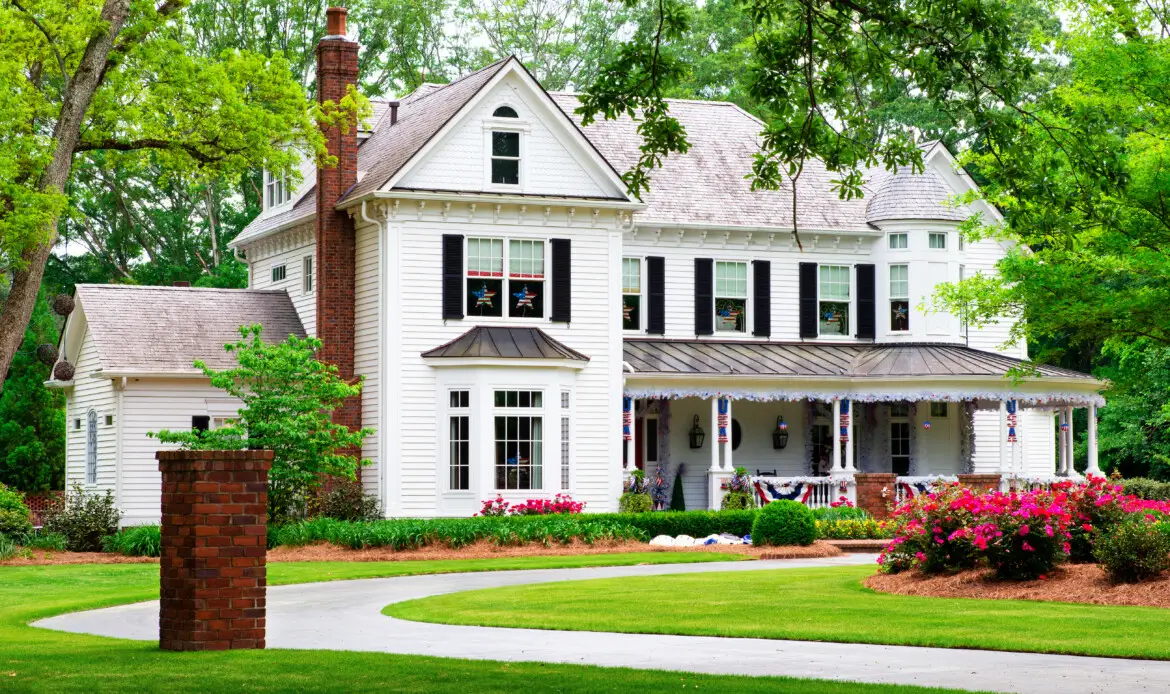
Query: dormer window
<point>276,190</point>
<point>505,148</point>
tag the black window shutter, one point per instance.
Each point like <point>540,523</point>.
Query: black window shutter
<point>866,308</point>
<point>562,280</point>
<point>808,300</point>
<point>656,295</point>
<point>762,297</point>
<point>704,296</point>
<point>452,276</point>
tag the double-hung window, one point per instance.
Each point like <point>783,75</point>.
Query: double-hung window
<point>307,274</point>
<point>91,446</point>
<point>519,439</point>
<point>899,241</point>
<point>565,440</point>
<point>505,161</point>
<point>631,293</point>
<point>459,441</point>
<point>276,190</point>
<point>962,314</point>
<point>486,291</point>
<point>900,438</point>
<point>938,240</point>
<point>834,299</point>
<point>899,298</point>
<point>730,297</point>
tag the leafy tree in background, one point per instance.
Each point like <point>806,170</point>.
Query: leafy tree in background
<point>288,402</point>
<point>32,417</point>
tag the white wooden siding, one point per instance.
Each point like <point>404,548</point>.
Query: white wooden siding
<point>460,160</point>
<point>367,343</point>
<point>293,282</point>
<point>97,394</point>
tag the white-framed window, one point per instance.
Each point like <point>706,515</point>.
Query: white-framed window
<point>899,241</point>
<point>307,274</point>
<point>221,422</point>
<point>631,293</point>
<point>566,434</point>
<point>279,272</point>
<point>486,291</point>
<point>835,298</point>
<point>731,296</point>
<point>962,242</point>
<point>899,445</point>
<point>459,441</point>
<point>650,443</point>
<point>899,298</point>
<point>505,153</point>
<point>277,191</point>
<point>962,314</point>
<point>91,446</point>
<point>519,439</point>
<point>938,240</point>
<point>109,420</point>
<point>77,424</point>
<point>938,410</point>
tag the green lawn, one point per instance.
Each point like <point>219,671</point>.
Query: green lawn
<point>41,660</point>
<point>827,604</point>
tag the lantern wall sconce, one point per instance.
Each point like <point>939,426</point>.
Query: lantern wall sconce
<point>696,435</point>
<point>780,435</point>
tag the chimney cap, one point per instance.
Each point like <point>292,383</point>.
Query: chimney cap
<point>335,21</point>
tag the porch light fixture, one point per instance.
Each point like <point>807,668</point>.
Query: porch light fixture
<point>696,435</point>
<point>780,435</point>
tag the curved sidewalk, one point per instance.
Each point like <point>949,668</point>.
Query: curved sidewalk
<point>346,615</point>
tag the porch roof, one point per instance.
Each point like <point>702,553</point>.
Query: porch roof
<point>803,359</point>
<point>863,372</point>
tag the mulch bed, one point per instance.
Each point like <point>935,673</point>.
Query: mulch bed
<point>1082,583</point>
<point>479,550</point>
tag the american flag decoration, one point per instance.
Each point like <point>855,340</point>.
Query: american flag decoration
<point>484,296</point>
<point>724,406</point>
<point>1012,421</point>
<point>844,421</point>
<point>524,297</point>
<point>626,308</point>
<point>627,419</point>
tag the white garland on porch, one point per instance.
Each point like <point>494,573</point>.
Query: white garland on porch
<point>1049,399</point>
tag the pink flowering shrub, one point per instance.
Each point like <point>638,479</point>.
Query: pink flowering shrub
<point>932,532</point>
<point>561,503</point>
<point>1096,507</point>
<point>1022,535</point>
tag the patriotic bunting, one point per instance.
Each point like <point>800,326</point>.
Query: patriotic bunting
<point>627,419</point>
<point>722,419</point>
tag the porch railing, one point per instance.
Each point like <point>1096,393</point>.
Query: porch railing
<point>1028,483</point>
<point>910,487</point>
<point>814,492</point>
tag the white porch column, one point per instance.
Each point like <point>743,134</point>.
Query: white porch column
<point>1003,441</point>
<point>1062,441</point>
<point>727,464</point>
<point>849,462</point>
<point>1093,467</point>
<point>1070,444</point>
<point>714,435</point>
<point>835,434</point>
<point>633,457</point>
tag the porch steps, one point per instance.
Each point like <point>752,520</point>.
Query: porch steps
<point>858,545</point>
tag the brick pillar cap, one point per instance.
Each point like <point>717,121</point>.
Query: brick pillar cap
<point>335,21</point>
<point>213,460</point>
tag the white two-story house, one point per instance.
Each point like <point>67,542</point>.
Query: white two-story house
<point>526,328</point>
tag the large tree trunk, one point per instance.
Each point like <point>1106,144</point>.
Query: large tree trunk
<point>26,281</point>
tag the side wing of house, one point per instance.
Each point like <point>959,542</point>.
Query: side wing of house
<point>91,411</point>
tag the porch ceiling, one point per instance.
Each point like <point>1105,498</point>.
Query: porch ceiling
<point>804,359</point>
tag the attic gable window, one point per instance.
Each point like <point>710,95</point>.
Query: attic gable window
<point>505,112</point>
<point>504,141</point>
<point>276,190</point>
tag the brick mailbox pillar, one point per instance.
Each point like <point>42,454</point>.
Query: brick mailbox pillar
<point>869,492</point>
<point>213,577</point>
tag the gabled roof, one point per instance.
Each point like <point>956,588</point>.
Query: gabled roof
<point>149,330</point>
<point>505,343</point>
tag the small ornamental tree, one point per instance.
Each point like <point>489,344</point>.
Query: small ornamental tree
<point>288,401</point>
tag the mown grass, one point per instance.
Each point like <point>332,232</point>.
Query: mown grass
<point>828,604</point>
<point>49,661</point>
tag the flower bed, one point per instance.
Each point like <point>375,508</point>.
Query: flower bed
<point>1021,535</point>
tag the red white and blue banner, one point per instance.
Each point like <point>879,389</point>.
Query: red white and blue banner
<point>627,418</point>
<point>722,419</point>
<point>844,423</point>
<point>1012,421</point>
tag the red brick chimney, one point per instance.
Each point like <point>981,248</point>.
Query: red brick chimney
<point>337,68</point>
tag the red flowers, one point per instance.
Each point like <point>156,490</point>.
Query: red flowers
<point>561,503</point>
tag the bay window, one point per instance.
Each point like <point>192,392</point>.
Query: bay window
<point>519,439</point>
<point>899,298</point>
<point>459,441</point>
<point>731,297</point>
<point>631,293</point>
<point>835,296</point>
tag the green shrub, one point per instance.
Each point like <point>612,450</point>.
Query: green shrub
<point>15,519</point>
<point>693,523</point>
<point>678,501</point>
<point>50,542</point>
<point>136,541</point>
<point>784,522</point>
<point>1134,551</point>
<point>853,529</point>
<point>737,501</point>
<point>841,513</point>
<point>347,500</point>
<point>84,520</point>
<point>1144,488</point>
<point>10,550</point>
<point>635,502</point>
